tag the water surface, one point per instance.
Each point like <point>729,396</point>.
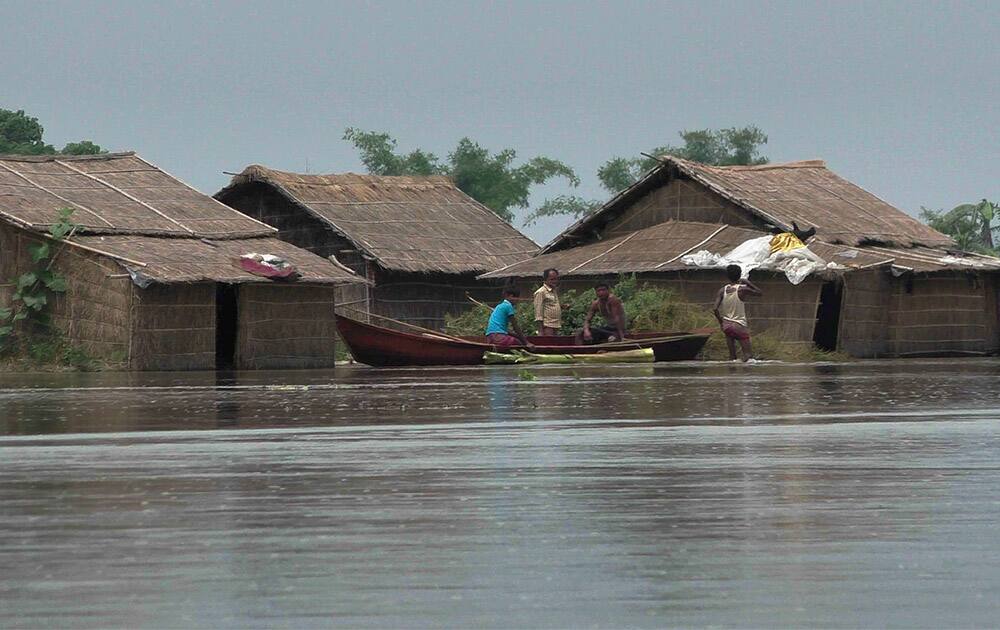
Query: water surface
<point>865,494</point>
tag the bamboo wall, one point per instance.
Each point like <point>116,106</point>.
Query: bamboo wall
<point>173,327</point>
<point>943,313</point>
<point>93,313</point>
<point>678,200</point>
<point>285,326</point>
<point>864,315</point>
<point>425,299</point>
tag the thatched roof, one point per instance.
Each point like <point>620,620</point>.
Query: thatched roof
<point>776,194</point>
<point>192,260</point>
<point>133,212</point>
<point>661,247</point>
<point>417,224</point>
<point>115,193</point>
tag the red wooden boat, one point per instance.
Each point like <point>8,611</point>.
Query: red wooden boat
<point>378,346</point>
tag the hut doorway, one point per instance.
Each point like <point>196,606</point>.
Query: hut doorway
<point>828,315</point>
<point>226,313</point>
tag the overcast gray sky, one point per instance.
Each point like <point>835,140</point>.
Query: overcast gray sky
<point>901,98</point>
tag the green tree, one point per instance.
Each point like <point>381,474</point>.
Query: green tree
<point>83,147</point>
<point>970,224</point>
<point>21,134</point>
<point>490,178</point>
<point>723,147</point>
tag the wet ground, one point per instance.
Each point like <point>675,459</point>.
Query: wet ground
<point>864,494</point>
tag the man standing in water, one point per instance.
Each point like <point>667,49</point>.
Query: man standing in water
<point>731,313</point>
<point>613,312</point>
<point>548,311</point>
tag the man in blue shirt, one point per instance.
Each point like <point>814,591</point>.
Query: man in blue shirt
<point>502,317</point>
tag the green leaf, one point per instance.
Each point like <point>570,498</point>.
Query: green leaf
<point>5,313</point>
<point>60,230</point>
<point>66,213</point>
<point>20,316</point>
<point>55,283</point>
<point>39,252</point>
<point>26,280</point>
<point>35,302</point>
<point>5,331</point>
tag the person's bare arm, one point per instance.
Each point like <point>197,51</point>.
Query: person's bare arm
<point>718,303</point>
<point>620,319</point>
<point>586,320</point>
<point>539,311</point>
<point>749,288</point>
<point>518,333</point>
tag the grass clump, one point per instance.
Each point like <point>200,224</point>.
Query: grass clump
<point>53,353</point>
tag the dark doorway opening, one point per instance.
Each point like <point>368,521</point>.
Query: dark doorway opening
<point>828,316</point>
<point>226,301</point>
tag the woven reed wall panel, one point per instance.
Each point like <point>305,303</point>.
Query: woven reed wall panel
<point>425,299</point>
<point>294,226</point>
<point>678,200</point>
<point>864,315</point>
<point>943,313</point>
<point>286,326</point>
<point>93,313</point>
<point>174,327</point>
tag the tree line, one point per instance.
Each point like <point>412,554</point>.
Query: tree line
<point>502,183</point>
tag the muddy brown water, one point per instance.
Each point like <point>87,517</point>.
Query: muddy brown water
<point>687,495</point>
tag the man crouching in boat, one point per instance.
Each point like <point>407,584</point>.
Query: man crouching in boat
<point>613,312</point>
<point>502,317</point>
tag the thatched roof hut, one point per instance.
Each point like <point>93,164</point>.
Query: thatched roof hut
<point>902,288</point>
<point>152,265</point>
<point>420,240</point>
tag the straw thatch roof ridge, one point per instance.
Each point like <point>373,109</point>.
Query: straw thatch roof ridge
<point>403,223</point>
<point>806,192</point>
<point>114,193</point>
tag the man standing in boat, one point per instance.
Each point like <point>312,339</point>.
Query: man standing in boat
<point>548,311</point>
<point>731,312</point>
<point>502,318</point>
<point>613,312</point>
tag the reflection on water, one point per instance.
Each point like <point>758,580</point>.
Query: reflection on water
<point>645,496</point>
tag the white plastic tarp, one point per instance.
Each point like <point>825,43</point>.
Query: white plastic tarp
<point>755,253</point>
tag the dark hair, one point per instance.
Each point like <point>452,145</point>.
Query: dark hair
<point>511,291</point>
<point>601,285</point>
<point>733,272</point>
<point>545,274</point>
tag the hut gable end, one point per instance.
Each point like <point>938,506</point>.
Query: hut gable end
<point>807,193</point>
<point>404,224</point>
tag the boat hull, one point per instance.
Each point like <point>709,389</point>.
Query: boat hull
<point>384,347</point>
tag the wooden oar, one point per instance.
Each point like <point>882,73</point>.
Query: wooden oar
<point>426,331</point>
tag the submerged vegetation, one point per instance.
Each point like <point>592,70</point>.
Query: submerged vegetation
<point>648,308</point>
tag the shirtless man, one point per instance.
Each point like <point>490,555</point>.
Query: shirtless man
<point>613,312</point>
<point>731,313</point>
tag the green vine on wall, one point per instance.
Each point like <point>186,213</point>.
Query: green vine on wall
<point>34,288</point>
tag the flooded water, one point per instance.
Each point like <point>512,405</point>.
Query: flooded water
<point>864,494</point>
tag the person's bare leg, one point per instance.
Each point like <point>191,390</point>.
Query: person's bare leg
<point>747,350</point>
<point>731,344</point>
<point>578,337</point>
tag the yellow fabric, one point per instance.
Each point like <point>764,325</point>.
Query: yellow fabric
<point>785,242</point>
<point>547,307</point>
